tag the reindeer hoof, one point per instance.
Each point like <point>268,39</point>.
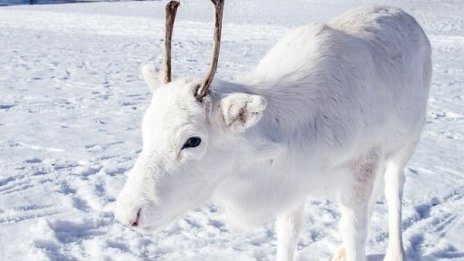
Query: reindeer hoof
<point>395,256</point>
<point>339,255</point>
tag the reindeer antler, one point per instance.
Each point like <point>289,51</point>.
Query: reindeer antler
<point>171,10</point>
<point>203,88</point>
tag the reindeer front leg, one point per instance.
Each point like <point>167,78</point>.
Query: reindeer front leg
<point>288,227</point>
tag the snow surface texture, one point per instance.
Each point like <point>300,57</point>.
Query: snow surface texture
<point>33,2</point>
<point>71,102</point>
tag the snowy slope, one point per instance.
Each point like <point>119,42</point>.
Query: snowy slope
<point>71,100</point>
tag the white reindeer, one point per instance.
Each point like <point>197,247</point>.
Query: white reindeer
<point>332,109</point>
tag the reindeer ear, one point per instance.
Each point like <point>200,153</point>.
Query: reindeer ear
<point>152,76</point>
<point>240,111</point>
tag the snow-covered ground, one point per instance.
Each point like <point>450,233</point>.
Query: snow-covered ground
<point>34,2</point>
<point>71,100</point>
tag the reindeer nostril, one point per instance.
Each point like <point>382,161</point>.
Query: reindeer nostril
<point>135,222</point>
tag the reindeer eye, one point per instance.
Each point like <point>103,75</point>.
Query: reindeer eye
<point>192,142</point>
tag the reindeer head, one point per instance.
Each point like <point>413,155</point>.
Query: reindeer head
<point>191,139</point>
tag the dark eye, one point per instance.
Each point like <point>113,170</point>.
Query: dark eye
<point>192,142</point>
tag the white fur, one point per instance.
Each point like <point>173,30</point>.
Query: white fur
<point>151,76</point>
<point>331,110</point>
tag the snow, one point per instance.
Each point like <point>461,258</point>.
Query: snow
<point>71,102</point>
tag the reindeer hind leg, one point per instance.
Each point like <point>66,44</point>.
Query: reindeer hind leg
<point>394,182</point>
<point>355,200</point>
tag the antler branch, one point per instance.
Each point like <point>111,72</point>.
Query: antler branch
<point>201,92</point>
<point>171,10</point>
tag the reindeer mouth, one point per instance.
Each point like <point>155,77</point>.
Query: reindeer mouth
<point>142,224</point>
<point>135,222</point>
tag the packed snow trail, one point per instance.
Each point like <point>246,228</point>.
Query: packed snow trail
<point>71,102</point>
